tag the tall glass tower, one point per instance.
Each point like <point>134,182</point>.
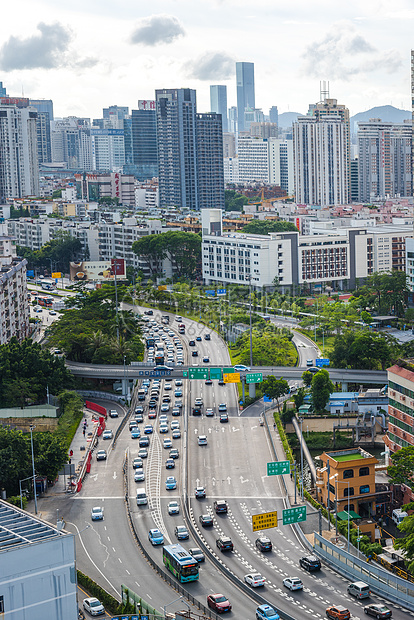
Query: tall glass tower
<point>218,103</point>
<point>245,90</point>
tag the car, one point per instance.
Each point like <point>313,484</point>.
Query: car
<point>266,612</point>
<point>181,532</point>
<point>139,475</point>
<point>101,455</point>
<point>163,419</point>
<point>224,543</point>
<point>179,404</point>
<point>175,424</point>
<point>176,411</point>
<point>196,410</point>
<point>202,440</point>
<point>220,506</point>
<point>209,411</point>
<point>198,339</point>
<point>293,583</point>
<point>167,442</point>
<point>191,343</point>
<point>133,424</point>
<point>170,483</point>
<point>255,580</point>
<point>152,414</point>
<point>178,393</point>
<point>338,612</point>
<point>152,404</point>
<point>241,368</point>
<point>224,417</point>
<point>197,554</point>
<point>143,453</point>
<point>139,418</point>
<point>206,360</point>
<point>207,337</point>
<point>155,537</point>
<point>135,433</point>
<point>206,520</point>
<point>144,441</point>
<point>198,402</point>
<point>167,387</point>
<point>108,434</point>
<point>113,413</point>
<point>97,513</point>
<point>174,453</point>
<point>148,312</point>
<point>176,434</point>
<point>148,429</point>
<point>52,312</point>
<point>170,463</point>
<point>178,318</point>
<point>208,382</point>
<point>378,610</point>
<point>173,508</point>
<point>163,428</point>
<point>221,382</point>
<point>194,353</point>
<point>165,407</point>
<point>310,563</point>
<point>219,603</point>
<point>178,382</point>
<point>93,606</point>
<point>222,408</point>
<point>263,543</point>
<point>137,463</point>
<point>162,367</point>
<point>199,492</point>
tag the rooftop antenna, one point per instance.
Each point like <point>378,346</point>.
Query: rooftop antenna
<point>22,91</point>
<point>324,90</point>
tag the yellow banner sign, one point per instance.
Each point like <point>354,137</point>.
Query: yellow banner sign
<point>56,275</point>
<point>264,521</point>
<point>233,377</point>
<point>162,287</point>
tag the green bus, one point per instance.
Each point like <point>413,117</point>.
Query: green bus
<point>180,563</point>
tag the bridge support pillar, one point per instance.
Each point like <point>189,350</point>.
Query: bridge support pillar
<point>344,386</point>
<point>125,389</point>
<point>252,390</point>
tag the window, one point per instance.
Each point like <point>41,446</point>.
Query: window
<point>331,488</point>
<point>364,471</point>
<point>348,473</point>
<point>351,491</point>
<point>364,489</point>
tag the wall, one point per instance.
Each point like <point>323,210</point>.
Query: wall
<point>29,412</point>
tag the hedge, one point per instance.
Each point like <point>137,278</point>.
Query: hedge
<point>109,602</point>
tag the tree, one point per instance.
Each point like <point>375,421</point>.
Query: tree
<point>321,388</point>
<point>364,349</point>
<point>275,388</point>
<point>307,378</point>
<point>299,397</point>
<point>263,227</point>
<point>233,201</point>
<point>407,542</point>
<point>401,470</point>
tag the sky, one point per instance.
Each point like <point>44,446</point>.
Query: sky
<point>89,54</point>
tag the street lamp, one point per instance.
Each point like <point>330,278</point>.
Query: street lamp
<point>250,312</point>
<point>32,427</point>
<point>20,489</point>
<point>301,456</point>
<point>180,598</point>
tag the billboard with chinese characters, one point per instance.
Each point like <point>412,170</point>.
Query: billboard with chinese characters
<point>146,104</point>
<point>98,270</point>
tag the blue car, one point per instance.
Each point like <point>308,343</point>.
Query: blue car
<point>266,612</point>
<point>178,393</point>
<point>155,537</point>
<point>135,434</point>
<point>170,483</point>
<point>148,429</point>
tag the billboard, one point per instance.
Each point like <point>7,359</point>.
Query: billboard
<point>98,270</point>
<point>144,104</point>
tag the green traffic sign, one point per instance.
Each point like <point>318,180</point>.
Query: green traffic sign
<point>276,468</point>
<point>294,515</point>
<point>185,374</point>
<point>198,373</point>
<point>228,371</point>
<point>254,377</point>
<point>215,373</point>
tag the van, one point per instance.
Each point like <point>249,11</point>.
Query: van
<point>141,394</point>
<point>398,515</point>
<point>359,589</point>
<point>141,497</point>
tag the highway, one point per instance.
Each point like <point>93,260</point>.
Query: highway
<point>232,466</point>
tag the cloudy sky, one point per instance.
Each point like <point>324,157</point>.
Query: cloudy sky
<point>88,54</point>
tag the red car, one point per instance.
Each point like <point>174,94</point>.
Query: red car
<point>218,602</point>
<point>152,415</point>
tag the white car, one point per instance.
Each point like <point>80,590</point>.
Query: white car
<point>93,606</point>
<point>167,442</point>
<point>293,583</point>
<point>108,434</point>
<point>97,513</point>
<point>255,580</point>
<point>202,440</point>
<point>173,508</point>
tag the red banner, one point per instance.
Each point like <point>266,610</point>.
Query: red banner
<point>95,407</point>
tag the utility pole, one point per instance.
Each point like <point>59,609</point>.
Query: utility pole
<point>32,427</point>
<point>250,311</point>
<point>116,299</point>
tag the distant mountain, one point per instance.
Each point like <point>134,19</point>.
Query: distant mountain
<point>286,119</point>
<point>386,113</point>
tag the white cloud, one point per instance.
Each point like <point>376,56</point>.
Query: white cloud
<point>157,29</point>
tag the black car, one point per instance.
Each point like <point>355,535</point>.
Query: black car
<point>144,441</point>
<point>149,312</point>
<point>224,543</point>
<point>263,543</point>
<point>196,410</point>
<point>221,382</point>
<point>194,353</point>
<point>207,337</point>
<point>310,563</point>
<point>224,417</point>
<point>192,343</point>
<point>198,338</point>
<point>220,506</point>
<point>152,404</point>
<point>197,554</point>
<point>205,520</point>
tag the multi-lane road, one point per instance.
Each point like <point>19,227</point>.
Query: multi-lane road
<point>232,466</point>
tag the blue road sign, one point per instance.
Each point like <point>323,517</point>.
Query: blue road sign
<point>267,399</point>
<point>210,293</point>
<point>322,361</point>
<point>221,291</point>
<point>30,273</point>
<point>154,373</point>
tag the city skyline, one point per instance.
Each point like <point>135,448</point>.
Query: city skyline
<point>363,51</point>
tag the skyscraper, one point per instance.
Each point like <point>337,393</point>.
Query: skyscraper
<point>245,90</point>
<point>210,174</point>
<point>144,141</point>
<point>19,170</point>
<point>176,146</point>
<point>44,109</point>
<point>218,103</point>
<point>274,114</point>
<point>3,92</point>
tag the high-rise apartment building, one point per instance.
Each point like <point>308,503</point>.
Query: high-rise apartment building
<point>218,103</point>
<point>321,148</point>
<point>245,91</point>
<point>232,124</point>
<point>210,175</point>
<point>253,159</point>
<point>72,143</point>
<point>108,149</point>
<point>141,154</point>
<point>176,146</point>
<point>384,156</point>
<point>19,170</point>
<point>229,145</point>
<point>115,114</point>
<point>274,115</point>
<point>3,92</point>
<point>281,164</point>
<point>14,304</point>
<point>263,130</point>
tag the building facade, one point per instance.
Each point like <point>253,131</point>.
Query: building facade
<point>143,161</point>
<point>401,406</point>
<point>253,159</point>
<point>14,304</point>
<point>218,103</point>
<point>245,91</point>
<point>281,164</point>
<point>91,187</point>
<point>108,149</point>
<point>71,143</point>
<point>210,173</point>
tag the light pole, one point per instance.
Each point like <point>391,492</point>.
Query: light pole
<point>115,264</point>
<point>301,457</point>
<point>32,427</point>
<point>250,312</point>
<point>180,598</point>
<point>125,381</point>
<point>20,489</point>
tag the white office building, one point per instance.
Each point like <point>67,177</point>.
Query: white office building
<point>108,149</point>
<point>253,158</point>
<point>231,169</point>
<point>281,164</point>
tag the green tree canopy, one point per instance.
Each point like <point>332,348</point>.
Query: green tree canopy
<point>401,470</point>
<point>61,250</point>
<point>233,201</point>
<point>321,389</point>
<point>407,542</point>
<point>275,388</point>
<point>183,249</point>
<point>365,350</point>
<point>263,227</point>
